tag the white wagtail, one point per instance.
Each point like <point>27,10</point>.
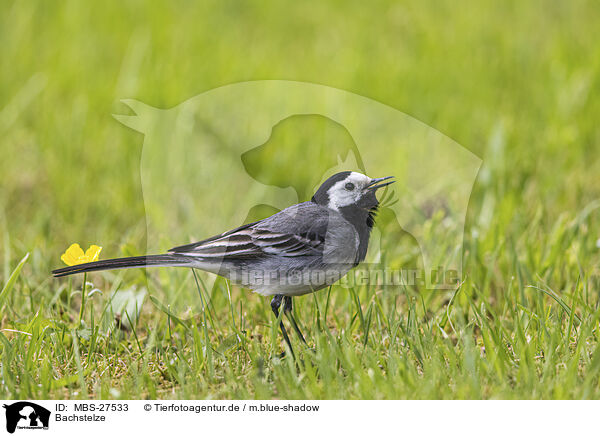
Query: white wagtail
<point>301,249</point>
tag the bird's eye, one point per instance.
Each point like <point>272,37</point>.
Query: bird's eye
<point>349,186</point>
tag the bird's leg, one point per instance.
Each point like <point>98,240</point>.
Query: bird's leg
<point>275,304</point>
<point>287,308</point>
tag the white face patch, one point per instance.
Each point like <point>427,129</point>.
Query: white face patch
<point>347,191</point>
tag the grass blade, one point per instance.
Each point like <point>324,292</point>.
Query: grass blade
<point>11,281</point>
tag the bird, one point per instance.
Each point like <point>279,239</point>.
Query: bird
<point>301,249</point>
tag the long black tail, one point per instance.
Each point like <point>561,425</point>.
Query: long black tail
<point>126,262</point>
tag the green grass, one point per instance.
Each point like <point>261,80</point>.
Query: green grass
<point>516,83</point>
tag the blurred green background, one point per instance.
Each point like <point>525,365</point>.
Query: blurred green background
<point>519,74</point>
<point>515,82</point>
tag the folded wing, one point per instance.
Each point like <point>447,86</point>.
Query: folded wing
<point>297,231</point>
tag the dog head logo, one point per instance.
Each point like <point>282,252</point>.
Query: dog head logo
<point>26,415</point>
<point>274,142</point>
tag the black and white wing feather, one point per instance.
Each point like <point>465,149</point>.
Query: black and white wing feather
<point>300,230</point>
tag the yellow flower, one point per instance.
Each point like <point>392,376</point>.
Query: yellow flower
<point>75,255</point>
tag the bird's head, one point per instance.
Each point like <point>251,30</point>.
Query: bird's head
<point>350,191</point>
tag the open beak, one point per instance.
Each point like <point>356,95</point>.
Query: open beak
<point>375,184</point>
